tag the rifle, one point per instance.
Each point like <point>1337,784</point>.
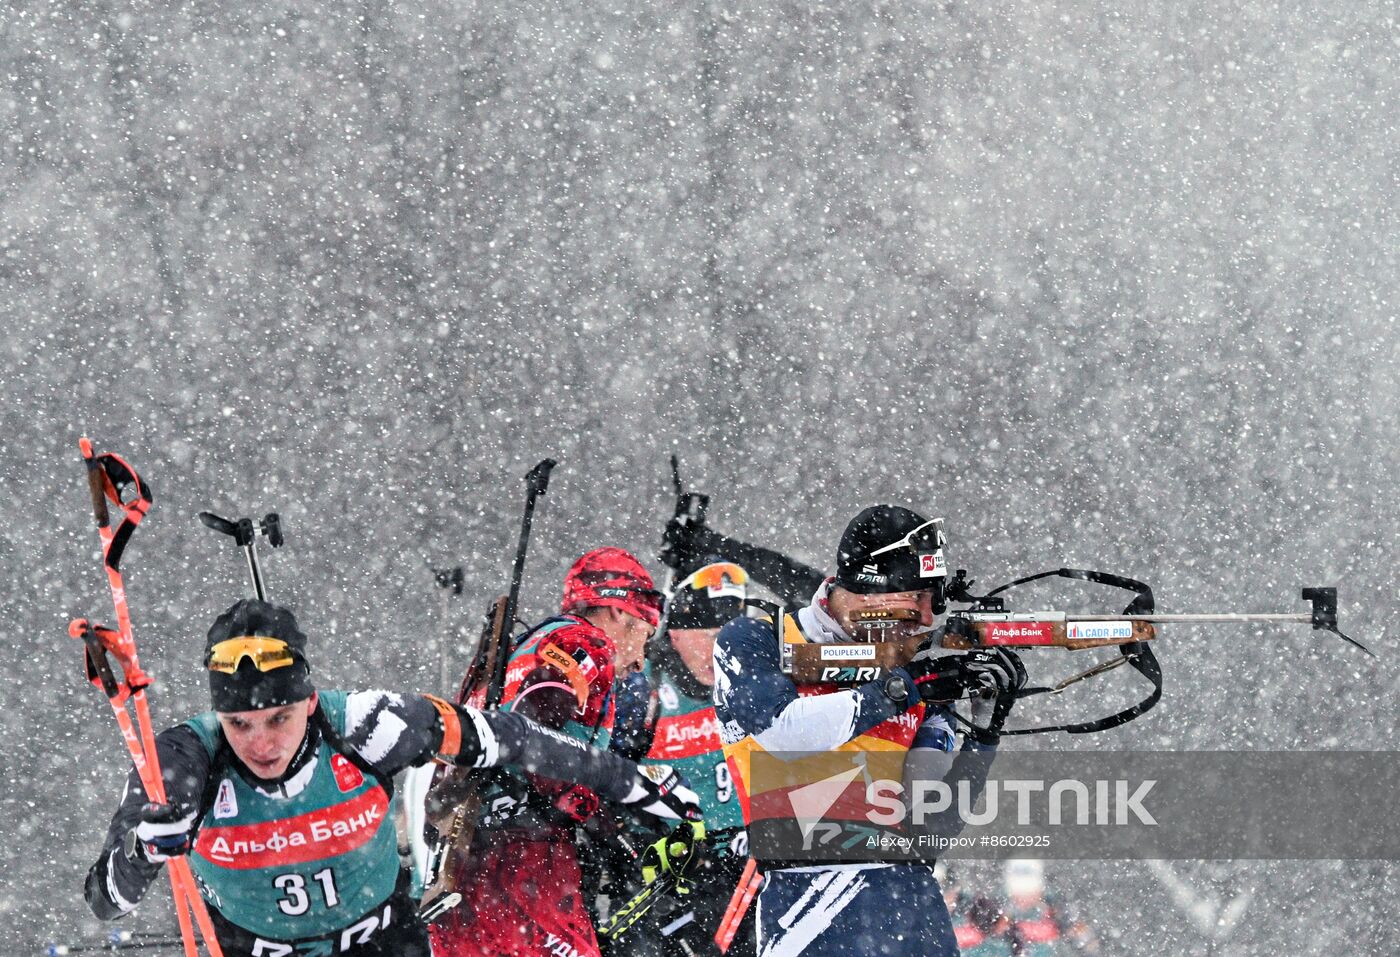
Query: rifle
<point>690,506</point>
<point>987,624</point>
<point>454,802</point>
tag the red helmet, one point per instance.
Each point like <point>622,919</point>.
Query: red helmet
<point>612,577</point>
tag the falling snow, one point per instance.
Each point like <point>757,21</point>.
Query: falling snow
<point>1108,286</point>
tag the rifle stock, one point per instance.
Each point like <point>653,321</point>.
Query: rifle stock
<point>454,801</point>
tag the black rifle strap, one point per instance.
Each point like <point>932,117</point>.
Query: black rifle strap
<point>1138,653</point>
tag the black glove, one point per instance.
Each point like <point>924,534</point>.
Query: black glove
<point>996,671</point>
<point>164,831</point>
<point>999,675</point>
<point>686,543</point>
<point>939,676</point>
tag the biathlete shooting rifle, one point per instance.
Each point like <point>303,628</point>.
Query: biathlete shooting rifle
<point>115,485</point>
<point>453,804</point>
<point>986,624</point>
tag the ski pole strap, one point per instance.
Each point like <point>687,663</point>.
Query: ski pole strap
<point>99,669</point>
<point>98,642</point>
<point>112,479</point>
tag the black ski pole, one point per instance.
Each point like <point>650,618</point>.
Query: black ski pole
<point>116,941</point>
<point>244,533</point>
<point>449,585</point>
<point>536,484</point>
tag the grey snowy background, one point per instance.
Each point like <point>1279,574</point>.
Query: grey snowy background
<point>1106,285</point>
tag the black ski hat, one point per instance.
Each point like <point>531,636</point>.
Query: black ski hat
<point>878,554</point>
<point>248,688</point>
<point>710,597</point>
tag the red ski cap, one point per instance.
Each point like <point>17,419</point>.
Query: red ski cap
<point>612,578</point>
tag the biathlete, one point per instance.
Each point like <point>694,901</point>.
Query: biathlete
<point>282,797</point>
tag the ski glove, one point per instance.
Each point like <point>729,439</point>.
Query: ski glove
<point>685,543</point>
<point>999,675</point>
<point>994,671</point>
<point>939,676</point>
<point>162,833</point>
<point>660,798</point>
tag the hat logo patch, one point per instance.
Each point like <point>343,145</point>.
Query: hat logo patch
<point>932,566</point>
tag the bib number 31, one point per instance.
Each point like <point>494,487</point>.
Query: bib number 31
<point>297,900</point>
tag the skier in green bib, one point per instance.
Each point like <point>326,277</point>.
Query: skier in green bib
<point>282,797</point>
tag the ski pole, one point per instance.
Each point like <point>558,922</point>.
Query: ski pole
<point>449,583</point>
<point>147,766</point>
<point>245,535</point>
<point>749,883</point>
<point>109,476</point>
<point>116,940</point>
